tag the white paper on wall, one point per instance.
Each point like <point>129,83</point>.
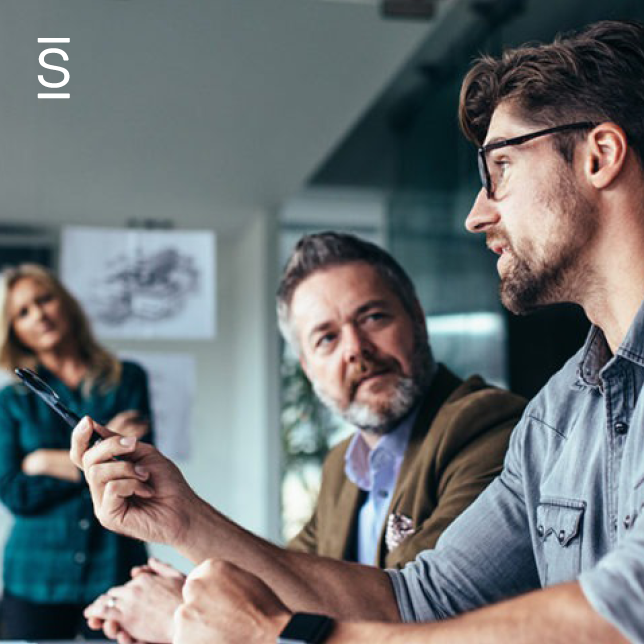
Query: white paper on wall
<point>172,382</point>
<point>143,283</point>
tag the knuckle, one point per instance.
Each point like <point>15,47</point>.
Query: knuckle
<point>183,613</point>
<point>218,568</point>
<point>193,587</point>
<point>86,463</point>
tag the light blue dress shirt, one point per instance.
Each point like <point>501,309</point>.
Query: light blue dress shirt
<point>569,504</point>
<point>376,471</point>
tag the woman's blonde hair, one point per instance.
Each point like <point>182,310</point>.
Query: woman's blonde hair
<point>103,368</point>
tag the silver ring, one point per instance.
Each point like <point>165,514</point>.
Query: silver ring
<point>111,601</point>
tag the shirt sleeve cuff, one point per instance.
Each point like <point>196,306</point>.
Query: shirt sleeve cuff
<point>401,593</point>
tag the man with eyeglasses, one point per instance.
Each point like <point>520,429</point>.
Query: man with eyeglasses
<point>553,550</point>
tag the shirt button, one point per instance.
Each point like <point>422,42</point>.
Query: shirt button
<point>621,428</point>
<point>628,521</point>
<point>383,494</point>
<point>83,524</point>
<point>561,536</point>
<point>80,557</point>
<point>540,530</point>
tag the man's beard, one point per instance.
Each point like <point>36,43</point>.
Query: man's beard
<point>404,394</point>
<point>527,288</point>
<point>530,283</point>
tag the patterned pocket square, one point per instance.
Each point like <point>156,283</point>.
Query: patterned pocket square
<point>399,527</point>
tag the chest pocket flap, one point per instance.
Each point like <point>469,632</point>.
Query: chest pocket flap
<point>559,519</point>
<point>559,532</point>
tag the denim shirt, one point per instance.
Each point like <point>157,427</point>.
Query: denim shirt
<point>569,504</point>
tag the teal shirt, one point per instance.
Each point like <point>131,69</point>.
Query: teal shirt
<point>57,552</point>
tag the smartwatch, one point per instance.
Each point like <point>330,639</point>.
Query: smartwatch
<point>306,628</point>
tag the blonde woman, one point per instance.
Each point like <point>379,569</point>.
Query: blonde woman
<point>57,558</point>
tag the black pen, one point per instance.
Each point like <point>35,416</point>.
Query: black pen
<point>50,398</point>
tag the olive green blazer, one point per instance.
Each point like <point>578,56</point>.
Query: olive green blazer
<point>456,448</point>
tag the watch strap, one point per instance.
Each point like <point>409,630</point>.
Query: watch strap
<point>306,628</point>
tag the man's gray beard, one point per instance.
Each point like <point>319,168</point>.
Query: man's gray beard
<point>404,397</point>
<point>381,422</point>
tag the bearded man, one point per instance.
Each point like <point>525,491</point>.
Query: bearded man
<point>426,443</point>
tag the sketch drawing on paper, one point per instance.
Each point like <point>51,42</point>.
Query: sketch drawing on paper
<point>143,284</point>
<point>150,287</point>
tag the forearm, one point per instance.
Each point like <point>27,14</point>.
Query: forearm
<point>558,615</point>
<point>303,582</point>
<point>26,495</point>
<point>51,462</point>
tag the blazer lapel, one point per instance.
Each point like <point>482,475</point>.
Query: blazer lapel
<point>341,542</point>
<point>442,386</point>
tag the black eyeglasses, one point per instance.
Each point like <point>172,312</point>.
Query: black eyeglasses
<point>484,170</point>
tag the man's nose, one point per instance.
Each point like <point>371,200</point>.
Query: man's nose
<point>482,215</point>
<point>356,345</point>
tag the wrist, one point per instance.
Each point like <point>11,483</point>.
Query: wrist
<point>202,527</point>
<point>281,622</point>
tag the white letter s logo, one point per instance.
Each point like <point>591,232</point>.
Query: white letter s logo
<point>41,60</point>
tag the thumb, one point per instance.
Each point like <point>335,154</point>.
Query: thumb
<point>164,569</point>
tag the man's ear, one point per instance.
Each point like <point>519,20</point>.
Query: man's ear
<point>606,154</point>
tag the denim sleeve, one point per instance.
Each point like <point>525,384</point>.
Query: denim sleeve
<point>483,557</point>
<point>615,586</point>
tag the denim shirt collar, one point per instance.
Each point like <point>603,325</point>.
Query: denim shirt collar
<point>360,460</point>
<point>596,353</point>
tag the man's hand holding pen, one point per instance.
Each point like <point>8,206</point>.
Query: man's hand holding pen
<point>136,490</point>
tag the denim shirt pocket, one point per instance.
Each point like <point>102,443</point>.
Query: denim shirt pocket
<point>558,526</point>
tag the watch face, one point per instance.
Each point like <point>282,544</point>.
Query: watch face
<point>306,628</point>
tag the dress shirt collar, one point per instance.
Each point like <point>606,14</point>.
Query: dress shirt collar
<point>360,460</point>
<point>597,354</point>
